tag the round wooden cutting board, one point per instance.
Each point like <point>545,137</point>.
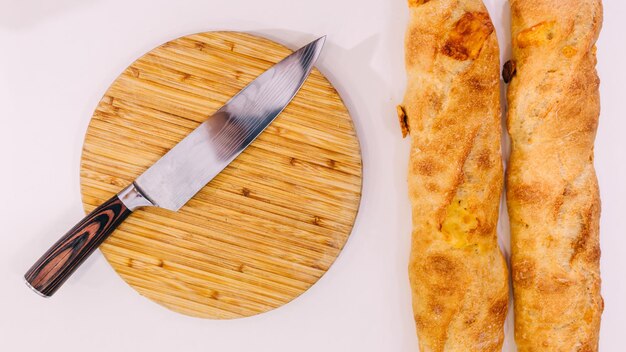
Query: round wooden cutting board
<point>266,228</point>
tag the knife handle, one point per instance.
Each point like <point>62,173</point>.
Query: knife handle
<point>66,255</point>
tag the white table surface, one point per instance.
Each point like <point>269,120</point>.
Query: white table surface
<point>58,58</point>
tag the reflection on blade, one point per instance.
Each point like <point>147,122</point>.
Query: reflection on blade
<point>208,149</point>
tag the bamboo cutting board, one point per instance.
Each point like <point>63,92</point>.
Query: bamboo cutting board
<point>265,229</point>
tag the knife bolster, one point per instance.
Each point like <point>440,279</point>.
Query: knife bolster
<point>133,198</point>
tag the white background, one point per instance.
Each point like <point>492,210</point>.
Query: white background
<point>58,57</point>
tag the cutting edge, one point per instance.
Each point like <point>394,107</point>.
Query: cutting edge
<point>186,168</point>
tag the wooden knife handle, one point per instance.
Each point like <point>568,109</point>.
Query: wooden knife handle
<point>65,256</point>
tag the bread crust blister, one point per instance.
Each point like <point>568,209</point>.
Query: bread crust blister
<point>552,191</point>
<point>451,109</point>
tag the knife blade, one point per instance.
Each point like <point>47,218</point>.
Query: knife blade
<point>185,169</point>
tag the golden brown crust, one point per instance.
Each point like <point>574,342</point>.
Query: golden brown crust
<point>458,275</point>
<point>552,195</point>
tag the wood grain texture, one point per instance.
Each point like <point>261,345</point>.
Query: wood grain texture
<point>265,229</point>
<point>71,250</point>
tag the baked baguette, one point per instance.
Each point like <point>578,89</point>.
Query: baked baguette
<point>451,109</point>
<point>552,195</point>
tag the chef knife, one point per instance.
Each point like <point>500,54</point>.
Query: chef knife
<point>184,170</point>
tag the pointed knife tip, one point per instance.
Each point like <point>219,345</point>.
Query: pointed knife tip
<point>318,44</point>
<point>319,41</point>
